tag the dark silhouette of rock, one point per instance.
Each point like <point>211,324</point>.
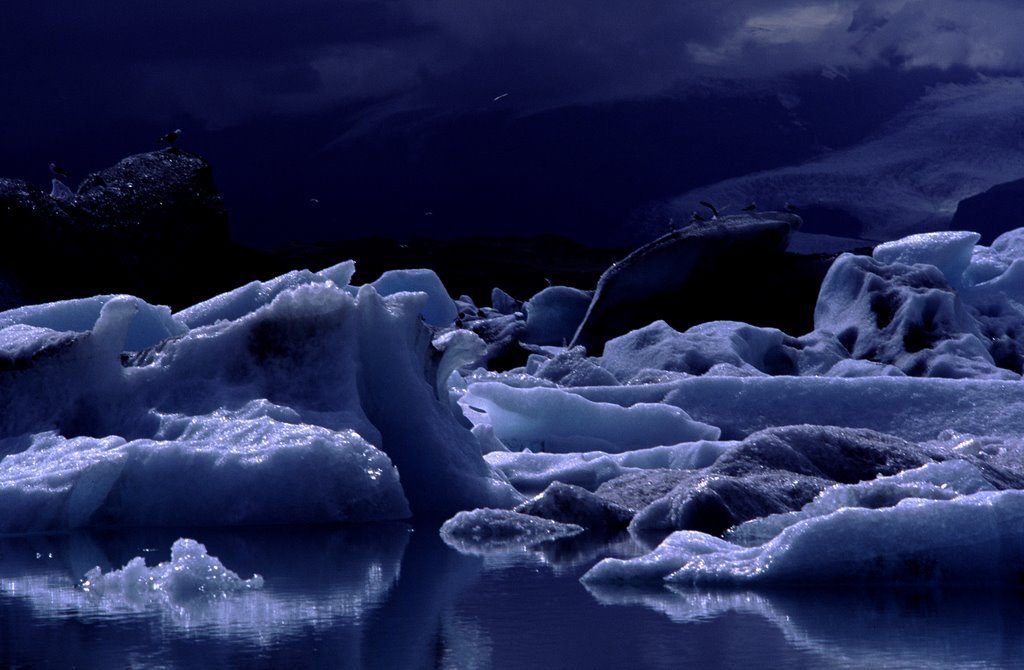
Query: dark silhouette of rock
<point>992,212</point>
<point>153,225</point>
<point>733,268</point>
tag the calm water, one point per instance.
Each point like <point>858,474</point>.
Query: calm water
<point>391,596</point>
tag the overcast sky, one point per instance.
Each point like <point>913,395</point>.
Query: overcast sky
<point>222,61</point>
<point>87,82</point>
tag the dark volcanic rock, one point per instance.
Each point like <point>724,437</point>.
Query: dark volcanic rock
<point>574,504</point>
<point>153,225</point>
<point>732,268</point>
<point>166,194</point>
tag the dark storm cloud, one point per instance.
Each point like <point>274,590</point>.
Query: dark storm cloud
<point>223,61</point>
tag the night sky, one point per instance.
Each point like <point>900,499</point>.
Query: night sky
<point>335,119</point>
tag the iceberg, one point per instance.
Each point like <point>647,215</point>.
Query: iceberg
<point>882,445</point>
<point>277,415</point>
<point>191,575</point>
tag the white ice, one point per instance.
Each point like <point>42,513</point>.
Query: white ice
<point>305,399</point>
<point>976,538</point>
<point>191,575</point>
<point>315,406</point>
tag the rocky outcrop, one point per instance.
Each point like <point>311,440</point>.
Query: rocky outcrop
<point>731,268</point>
<point>153,225</point>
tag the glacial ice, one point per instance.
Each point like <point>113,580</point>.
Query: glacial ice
<point>486,530</point>
<point>971,538</point>
<point>885,444</point>
<point>547,419</point>
<point>191,575</point>
<point>150,326</point>
<point>280,415</point>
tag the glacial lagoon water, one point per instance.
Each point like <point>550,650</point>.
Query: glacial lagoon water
<point>395,596</point>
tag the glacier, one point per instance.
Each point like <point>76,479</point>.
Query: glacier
<point>884,445</point>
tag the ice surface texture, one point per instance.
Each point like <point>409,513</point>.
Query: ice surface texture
<point>292,401</point>
<point>891,431</point>
<point>191,575</point>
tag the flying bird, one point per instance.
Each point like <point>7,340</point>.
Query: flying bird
<point>503,95</point>
<point>171,137</point>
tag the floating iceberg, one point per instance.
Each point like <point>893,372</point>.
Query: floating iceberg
<point>885,444</point>
<point>191,575</point>
<point>303,403</point>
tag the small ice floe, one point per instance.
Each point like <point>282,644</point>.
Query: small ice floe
<point>192,576</point>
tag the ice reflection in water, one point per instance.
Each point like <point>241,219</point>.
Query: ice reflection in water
<point>863,629</point>
<point>390,596</point>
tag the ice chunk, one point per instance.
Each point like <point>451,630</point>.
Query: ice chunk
<point>21,343</point>
<point>568,367</point>
<point>439,309</point>
<point>990,262</point>
<point>652,568</point>
<point>771,472</point>
<point>935,481</point>
<point>949,251</point>
<point>459,348</point>
<point>219,469</point>
<point>904,315</point>
<point>751,350</point>
<point>545,419</point>
<point>338,366</point>
<point>852,367</point>
<point>912,408</point>
<point>714,503</point>
<point>534,472</point>
<point>245,299</point>
<point>845,455</point>
<point>60,191</point>
<point>503,303</point>
<point>972,538</point>
<point>554,314</point>
<point>487,530</point>
<point>191,575</point>
<point>149,325</point>
<point>572,504</point>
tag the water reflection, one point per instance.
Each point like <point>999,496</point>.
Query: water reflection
<point>395,596</point>
<point>870,629</point>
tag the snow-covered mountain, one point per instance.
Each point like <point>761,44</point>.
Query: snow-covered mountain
<point>957,141</point>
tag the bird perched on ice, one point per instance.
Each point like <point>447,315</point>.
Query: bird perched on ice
<point>790,207</point>
<point>752,207</point>
<point>171,137</point>
<point>58,171</point>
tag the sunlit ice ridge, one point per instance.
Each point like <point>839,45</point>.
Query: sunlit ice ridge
<point>884,444</point>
